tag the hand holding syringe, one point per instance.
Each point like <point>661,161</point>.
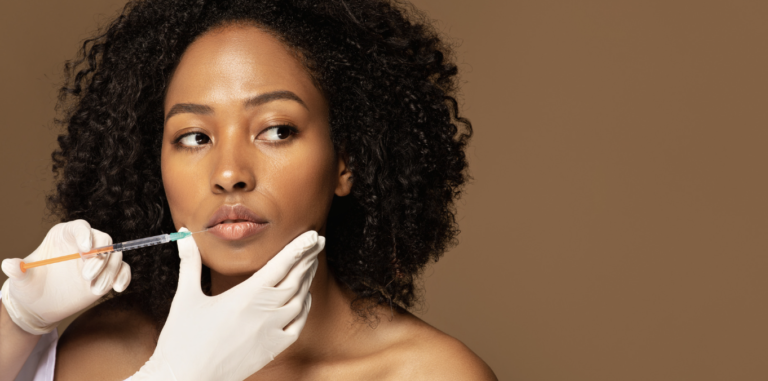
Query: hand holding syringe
<point>38,300</point>
<point>122,246</point>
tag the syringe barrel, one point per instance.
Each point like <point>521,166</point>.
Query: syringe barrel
<point>144,242</point>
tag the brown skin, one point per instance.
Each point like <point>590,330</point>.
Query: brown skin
<point>291,184</point>
<point>288,182</point>
<point>16,345</point>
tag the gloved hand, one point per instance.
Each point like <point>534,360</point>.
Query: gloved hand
<point>40,298</point>
<point>232,335</point>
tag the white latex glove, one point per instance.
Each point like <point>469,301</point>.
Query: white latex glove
<point>230,336</point>
<point>40,298</point>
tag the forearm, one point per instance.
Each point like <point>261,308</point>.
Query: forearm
<point>15,346</point>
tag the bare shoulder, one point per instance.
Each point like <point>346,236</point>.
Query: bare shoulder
<point>423,352</point>
<point>105,343</point>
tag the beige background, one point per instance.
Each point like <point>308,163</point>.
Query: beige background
<point>616,227</point>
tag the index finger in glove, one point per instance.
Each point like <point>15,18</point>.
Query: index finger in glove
<point>277,267</point>
<point>289,286</point>
<point>78,232</point>
<point>191,266</point>
<point>296,273</point>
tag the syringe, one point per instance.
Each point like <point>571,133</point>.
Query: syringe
<point>122,246</point>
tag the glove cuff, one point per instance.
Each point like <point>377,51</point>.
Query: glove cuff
<point>26,320</point>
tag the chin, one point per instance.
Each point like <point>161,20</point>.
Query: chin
<point>234,267</point>
<point>227,272</point>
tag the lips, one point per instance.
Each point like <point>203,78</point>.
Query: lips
<point>234,222</point>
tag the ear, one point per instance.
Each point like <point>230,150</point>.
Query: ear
<point>344,178</point>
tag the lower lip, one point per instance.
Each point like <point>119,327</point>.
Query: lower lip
<point>237,230</point>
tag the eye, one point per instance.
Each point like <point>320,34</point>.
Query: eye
<point>278,133</point>
<point>193,139</point>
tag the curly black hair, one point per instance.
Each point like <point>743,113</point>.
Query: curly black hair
<point>390,84</point>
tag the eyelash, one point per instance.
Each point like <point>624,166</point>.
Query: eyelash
<point>294,132</point>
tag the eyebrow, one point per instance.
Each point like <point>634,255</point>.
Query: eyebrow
<point>273,96</point>
<point>260,99</point>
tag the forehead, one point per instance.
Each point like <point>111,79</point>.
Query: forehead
<point>235,62</point>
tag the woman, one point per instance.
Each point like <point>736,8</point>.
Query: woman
<point>261,121</point>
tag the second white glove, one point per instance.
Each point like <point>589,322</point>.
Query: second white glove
<point>230,336</point>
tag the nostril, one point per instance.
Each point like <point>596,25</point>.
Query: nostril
<point>225,184</point>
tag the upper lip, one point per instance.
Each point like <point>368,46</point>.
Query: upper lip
<point>234,212</point>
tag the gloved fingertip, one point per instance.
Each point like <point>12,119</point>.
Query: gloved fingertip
<point>12,268</point>
<point>314,251</point>
<point>97,291</point>
<point>187,248</point>
<point>308,240</point>
<point>100,286</point>
<point>121,283</point>
<point>190,267</point>
<point>92,267</point>
<point>120,287</point>
<point>123,278</point>
<point>319,247</point>
<point>312,238</point>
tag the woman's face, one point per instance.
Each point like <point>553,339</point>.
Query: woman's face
<point>246,149</point>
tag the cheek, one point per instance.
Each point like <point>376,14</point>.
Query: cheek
<point>304,188</point>
<point>181,187</point>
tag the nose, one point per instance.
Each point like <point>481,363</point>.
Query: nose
<point>233,171</point>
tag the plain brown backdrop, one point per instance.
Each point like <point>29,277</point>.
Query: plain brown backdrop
<point>616,225</point>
